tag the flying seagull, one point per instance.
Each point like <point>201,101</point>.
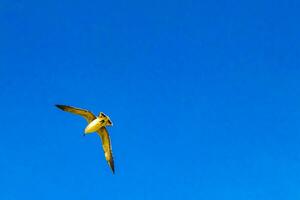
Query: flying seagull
<point>95,124</point>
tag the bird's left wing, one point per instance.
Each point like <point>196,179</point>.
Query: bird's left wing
<point>89,116</point>
<point>102,132</point>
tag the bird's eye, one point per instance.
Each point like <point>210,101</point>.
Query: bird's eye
<point>102,121</point>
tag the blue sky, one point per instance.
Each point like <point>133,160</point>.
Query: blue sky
<point>204,96</point>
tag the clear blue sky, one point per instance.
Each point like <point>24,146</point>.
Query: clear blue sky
<point>204,96</point>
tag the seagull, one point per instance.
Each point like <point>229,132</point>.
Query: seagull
<point>95,124</point>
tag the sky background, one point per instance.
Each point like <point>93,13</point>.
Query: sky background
<point>204,97</point>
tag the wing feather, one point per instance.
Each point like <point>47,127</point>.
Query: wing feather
<point>89,116</point>
<point>102,132</point>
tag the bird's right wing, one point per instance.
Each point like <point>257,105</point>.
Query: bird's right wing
<point>102,132</point>
<point>89,116</point>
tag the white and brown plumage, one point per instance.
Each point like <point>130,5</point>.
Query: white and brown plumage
<point>95,124</point>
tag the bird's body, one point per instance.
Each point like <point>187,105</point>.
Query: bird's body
<point>95,124</point>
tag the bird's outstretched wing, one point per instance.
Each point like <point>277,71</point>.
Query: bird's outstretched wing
<point>102,132</point>
<point>89,116</point>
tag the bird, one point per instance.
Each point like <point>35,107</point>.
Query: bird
<point>95,124</point>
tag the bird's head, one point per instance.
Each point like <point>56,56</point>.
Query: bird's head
<point>106,119</point>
